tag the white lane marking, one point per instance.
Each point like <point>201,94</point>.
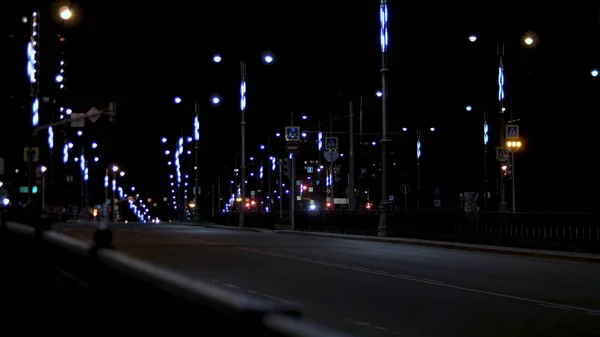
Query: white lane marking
<point>554,306</point>
<point>254,292</point>
<point>361,323</point>
<point>593,313</point>
<point>212,243</point>
<point>441,284</point>
<point>70,276</point>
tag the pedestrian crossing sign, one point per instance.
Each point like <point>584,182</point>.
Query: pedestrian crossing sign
<point>512,132</point>
<point>292,133</point>
<point>502,153</point>
<point>331,143</point>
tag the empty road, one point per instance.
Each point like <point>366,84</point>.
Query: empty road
<point>381,289</point>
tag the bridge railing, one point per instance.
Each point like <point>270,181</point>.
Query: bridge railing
<point>558,231</point>
<point>51,275</point>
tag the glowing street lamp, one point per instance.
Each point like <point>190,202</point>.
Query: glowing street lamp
<point>594,72</point>
<point>472,38</point>
<point>65,13</point>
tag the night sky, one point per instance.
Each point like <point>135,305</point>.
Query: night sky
<point>326,54</point>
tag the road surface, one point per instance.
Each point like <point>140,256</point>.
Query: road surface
<point>381,289</point>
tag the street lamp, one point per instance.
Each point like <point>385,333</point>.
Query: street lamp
<point>268,58</point>
<point>383,40</point>
<point>594,72</point>
<point>65,13</point>
<point>513,146</point>
<point>472,38</point>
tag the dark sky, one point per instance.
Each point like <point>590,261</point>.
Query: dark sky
<point>326,53</point>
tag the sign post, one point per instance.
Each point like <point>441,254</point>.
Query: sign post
<point>405,189</point>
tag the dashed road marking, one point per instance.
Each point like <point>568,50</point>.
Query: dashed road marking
<point>255,292</point>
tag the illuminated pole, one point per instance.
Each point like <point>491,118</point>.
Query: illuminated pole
<point>114,190</point>
<point>105,203</point>
<point>502,203</point>
<point>196,138</point>
<point>383,39</point>
<point>485,152</point>
<point>243,127</point>
<point>32,74</point>
<point>418,169</point>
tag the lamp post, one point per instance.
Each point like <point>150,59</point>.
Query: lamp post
<point>513,147</point>
<point>383,40</point>
<point>267,58</point>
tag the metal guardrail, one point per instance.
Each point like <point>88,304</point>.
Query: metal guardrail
<point>81,283</point>
<point>553,231</point>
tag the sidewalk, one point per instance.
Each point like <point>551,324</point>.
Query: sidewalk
<point>548,254</point>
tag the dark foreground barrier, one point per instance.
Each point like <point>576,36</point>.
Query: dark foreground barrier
<point>553,231</point>
<point>50,282</point>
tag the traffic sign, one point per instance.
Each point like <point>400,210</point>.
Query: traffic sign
<point>512,132</point>
<point>34,152</point>
<point>331,156</point>
<point>502,153</point>
<point>292,133</point>
<point>331,143</point>
<point>292,147</point>
<point>405,189</point>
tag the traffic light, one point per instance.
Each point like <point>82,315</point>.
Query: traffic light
<point>506,172</point>
<point>285,167</point>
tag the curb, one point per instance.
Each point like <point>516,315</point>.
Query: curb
<point>243,229</point>
<point>568,256</point>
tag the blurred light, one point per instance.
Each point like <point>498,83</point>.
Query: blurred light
<point>277,134</point>
<point>304,134</point>
<point>177,100</point>
<point>485,133</point>
<point>79,133</point>
<point>196,128</point>
<point>472,38</point>
<point>432,129</point>
<point>268,57</point>
<point>50,138</point>
<point>594,72</point>
<point>320,140</point>
<point>304,117</point>
<point>383,21</point>
<point>262,147</point>
<point>58,78</point>
<point>167,152</point>
<point>469,108</point>
<point>96,159</point>
<point>215,99</point>
<point>378,93</point>
<point>404,129</point>
<point>528,40</point>
<point>65,13</point>
<point>163,140</point>
<point>94,145</point>
<point>217,58</point>
<point>66,153</point>
<point>189,139</point>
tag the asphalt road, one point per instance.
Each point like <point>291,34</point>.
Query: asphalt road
<point>381,289</point>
